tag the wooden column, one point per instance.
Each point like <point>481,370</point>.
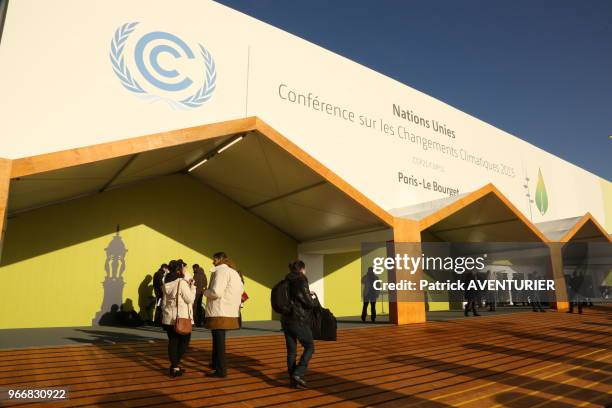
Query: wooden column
<point>408,307</point>
<point>561,303</point>
<point>5,181</point>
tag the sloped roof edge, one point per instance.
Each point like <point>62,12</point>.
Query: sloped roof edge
<point>89,154</point>
<point>469,199</point>
<point>580,223</point>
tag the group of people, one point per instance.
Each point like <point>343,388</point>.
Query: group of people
<point>580,290</point>
<point>181,295</point>
<point>474,297</point>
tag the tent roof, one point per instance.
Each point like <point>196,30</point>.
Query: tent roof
<point>584,228</point>
<point>481,215</point>
<point>260,170</point>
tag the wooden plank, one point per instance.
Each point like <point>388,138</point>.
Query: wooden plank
<point>521,357</point>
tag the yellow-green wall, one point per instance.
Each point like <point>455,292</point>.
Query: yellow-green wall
<point>342,280</point>
<point>53,259</point>
<point>342,276</point>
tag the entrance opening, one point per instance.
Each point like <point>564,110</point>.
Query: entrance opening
<point>88,236</point>
<point>585,253</point>
<point>480,222</point>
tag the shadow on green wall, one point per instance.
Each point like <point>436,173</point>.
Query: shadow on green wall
<point>178,212</point>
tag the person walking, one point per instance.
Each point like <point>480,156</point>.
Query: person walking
<point>297,324</point>
<point>491,293</point>
<point>223,298</point>
<point>200,281</point>
<point>178,297</point>
<point>370,295</point>
<point>158,290</point>
<point>536,305</point>
<point>471,293</point>
<point>574,289</point>
<point>146,301</point>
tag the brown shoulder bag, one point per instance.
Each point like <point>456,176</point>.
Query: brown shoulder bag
<point>181,325</point>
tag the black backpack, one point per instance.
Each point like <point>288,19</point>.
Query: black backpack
<point>280,298</point>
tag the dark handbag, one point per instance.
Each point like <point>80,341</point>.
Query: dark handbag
<point>181,325</point>
<point>323,322</point>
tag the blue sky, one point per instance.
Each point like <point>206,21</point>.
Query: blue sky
<point>541,70</point>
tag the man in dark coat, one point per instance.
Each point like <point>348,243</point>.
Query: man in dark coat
<point>370,295</point>
<point>574,289</point>
<point>471,293</point>
<point>536,305</point>
<point>297,323</point>
<point>158,285</point>
<point>199,278</point>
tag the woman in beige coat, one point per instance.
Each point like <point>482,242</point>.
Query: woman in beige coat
<point>179,294</point>
<point>223,298</point>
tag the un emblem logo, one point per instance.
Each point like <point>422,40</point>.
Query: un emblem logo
<point>154,57</point>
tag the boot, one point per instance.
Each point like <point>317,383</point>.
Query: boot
<point>298,382</point>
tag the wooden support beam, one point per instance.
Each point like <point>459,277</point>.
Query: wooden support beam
<point>5,181</point>
<point>409,306</point>
<point>561,303</point>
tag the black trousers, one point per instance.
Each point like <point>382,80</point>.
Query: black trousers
<point>535,303</point>
<point>177,345</point>
<point>198,310</point>
<point>218,351</point>
<point>470,305</point>
<point>157,320</point>
<point>575,304</point>
<point>364,311</point>
<point>293,334</point>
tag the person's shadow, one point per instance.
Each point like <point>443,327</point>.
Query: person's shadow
<point>121,316</point>
<point>110,318</point>
<point>146,300</point>
<point>127,316</point>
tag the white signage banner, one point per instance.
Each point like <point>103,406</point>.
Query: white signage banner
<point>77,73</point>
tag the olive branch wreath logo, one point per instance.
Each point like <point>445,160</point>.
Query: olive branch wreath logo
<point>129,82</point>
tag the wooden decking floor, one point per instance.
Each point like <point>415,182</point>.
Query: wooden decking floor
<point>516,360</point>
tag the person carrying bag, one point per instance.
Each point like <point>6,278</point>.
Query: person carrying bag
<point>177,319</point>
<point>182,325</point>
<point>293,299</point>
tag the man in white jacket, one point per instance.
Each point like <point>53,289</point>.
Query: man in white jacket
<point>223,299</point>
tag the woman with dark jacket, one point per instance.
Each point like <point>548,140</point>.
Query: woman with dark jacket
<point>297,324</point>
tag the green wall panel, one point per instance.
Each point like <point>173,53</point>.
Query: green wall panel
<point>54,258</point>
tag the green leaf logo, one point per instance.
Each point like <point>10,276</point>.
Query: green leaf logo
<point>541,197</point>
